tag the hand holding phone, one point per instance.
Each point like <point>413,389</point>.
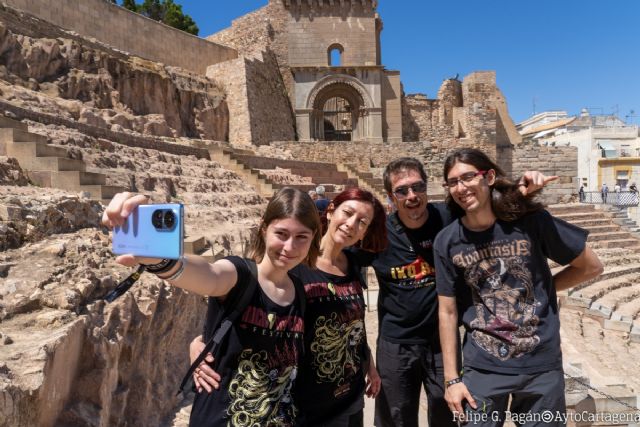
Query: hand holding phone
<point>154,231</point>
<point>134,228</point>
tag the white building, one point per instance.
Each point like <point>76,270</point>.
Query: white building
<point>608,149</point>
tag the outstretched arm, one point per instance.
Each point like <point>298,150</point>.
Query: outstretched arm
<point>198,275</point>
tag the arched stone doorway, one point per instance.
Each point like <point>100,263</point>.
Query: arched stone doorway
<point>337,114</point>
<point>337,119</point>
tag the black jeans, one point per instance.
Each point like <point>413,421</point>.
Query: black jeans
<point>404,370</point>
<point>537,400</point>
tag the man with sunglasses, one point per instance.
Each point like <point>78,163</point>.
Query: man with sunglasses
<point>408,347</point>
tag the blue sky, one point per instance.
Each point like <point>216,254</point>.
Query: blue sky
<point>560,54</point>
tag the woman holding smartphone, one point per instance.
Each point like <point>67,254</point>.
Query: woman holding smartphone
<point>337,369</point>
<point>261,357</point>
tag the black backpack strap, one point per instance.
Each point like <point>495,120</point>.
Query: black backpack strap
<point>232,312</point>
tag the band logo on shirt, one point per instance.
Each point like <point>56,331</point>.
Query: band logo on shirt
<point>515,248</point>
<point>417,270</point>
<point>270,324</point>
<point>323,291</point>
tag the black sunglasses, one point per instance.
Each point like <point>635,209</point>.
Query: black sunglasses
<point>417,188</point>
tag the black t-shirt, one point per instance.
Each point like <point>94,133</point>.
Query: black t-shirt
<point>504,289</point>
<point>332,375</point>
<point>408,303</point>
<point>259,363</point>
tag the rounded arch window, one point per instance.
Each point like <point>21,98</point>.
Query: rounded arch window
<point>334,54</point>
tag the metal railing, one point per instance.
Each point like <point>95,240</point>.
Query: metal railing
<point>622,198</point>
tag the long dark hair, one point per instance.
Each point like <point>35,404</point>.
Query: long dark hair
<point>507,202</point>
<point>289,203</point>
<point>375,239</point>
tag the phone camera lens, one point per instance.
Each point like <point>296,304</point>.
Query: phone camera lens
<point>156,218</point>
<point>169,219</point>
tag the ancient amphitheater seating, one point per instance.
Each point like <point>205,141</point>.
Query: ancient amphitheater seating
<point>48,165</point>
<point>612,299</point>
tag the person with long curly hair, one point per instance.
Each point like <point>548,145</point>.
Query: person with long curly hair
<point>493,270</point>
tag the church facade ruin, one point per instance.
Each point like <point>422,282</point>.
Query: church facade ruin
<point>342,90</point>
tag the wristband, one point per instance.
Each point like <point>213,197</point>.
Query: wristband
<point>159,267</point>
<point>449,383</point>
<point>177,274</point>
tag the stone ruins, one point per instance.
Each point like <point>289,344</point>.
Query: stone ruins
<point>95,99</point>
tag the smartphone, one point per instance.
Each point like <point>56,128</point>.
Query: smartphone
<point>154,231</point>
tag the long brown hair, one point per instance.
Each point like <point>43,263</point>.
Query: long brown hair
<point>375,239</point>
<point>507,202</point>
<point>289,203</point>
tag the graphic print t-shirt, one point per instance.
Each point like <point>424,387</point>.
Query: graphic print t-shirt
<point>259,364</point>
<point>408,303</point>
<point>332,376</point>
<point>504,289</point>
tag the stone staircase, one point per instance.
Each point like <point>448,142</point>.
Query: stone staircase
<point>601,318</point>
<point>612,298</point>
<point>50,166</point>
<point>252,167</point>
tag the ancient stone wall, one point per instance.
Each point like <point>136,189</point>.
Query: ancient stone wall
<point>561,161</point>
<point>365,155</point>
<point>128,31</point>
<point>259,109</point>
<point>48,70</point>
<point>260,30</point>
<point>314,29</point>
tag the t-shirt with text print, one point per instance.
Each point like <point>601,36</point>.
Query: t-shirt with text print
<point>407,302</point>
<point>504,289</point>
<point>332,375</point>
<point>258,366</point>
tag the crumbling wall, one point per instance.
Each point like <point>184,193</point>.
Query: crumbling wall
<point>260,30</point>
<point>259,110</point>
<point>48,70</point>
<point>560,161</point>
<point>129,32</point>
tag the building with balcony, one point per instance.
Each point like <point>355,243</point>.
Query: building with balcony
<point>608,148</point>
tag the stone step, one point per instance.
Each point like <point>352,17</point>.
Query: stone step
<point>623,243</point>
<point>598,229</point>
<point>53,164</point>
<point>592,222</point>
<point>613,299</point>
<point>65,179</point>
<point>195,244</point>
<point>609,273</point>
<point>618,235</point>
<point>602,287</point>
<point>27,149</point>
<point>259,162</point>
<point>329,188</point>
<point>570,217</point>
<point>9,135</point>
<point>629,309</point>
<point>570,208</point>
<point>6,122</point>
<point>99,192</point>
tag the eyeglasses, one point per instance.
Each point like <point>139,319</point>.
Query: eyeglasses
<point>465,178</point>
<point>417,188</point>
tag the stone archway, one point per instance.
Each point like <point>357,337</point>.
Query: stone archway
<point>338,113</point>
